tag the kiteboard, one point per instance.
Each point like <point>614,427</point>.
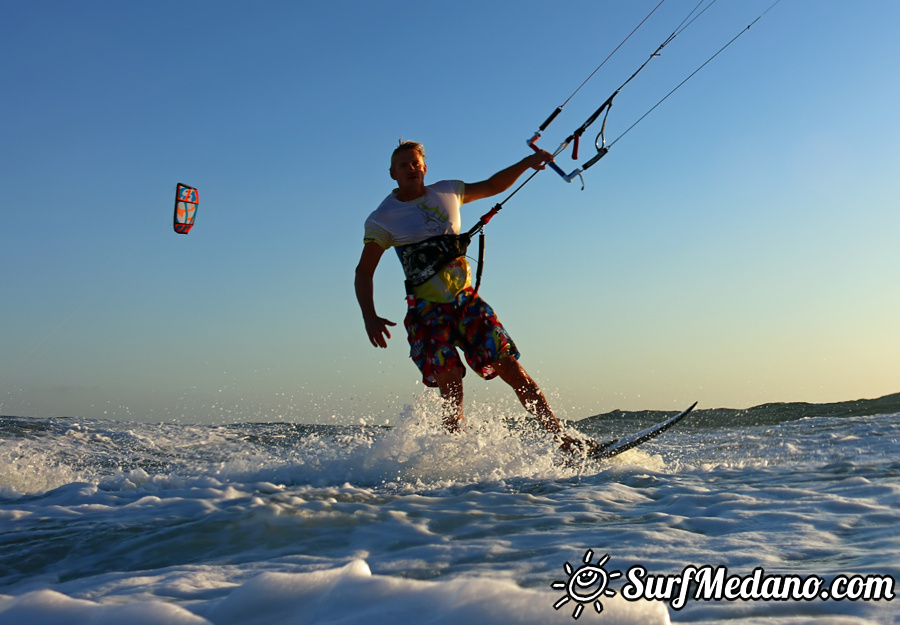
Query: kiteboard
<point>618,445</point>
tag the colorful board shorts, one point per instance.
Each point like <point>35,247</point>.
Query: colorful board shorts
<point>435,330</point>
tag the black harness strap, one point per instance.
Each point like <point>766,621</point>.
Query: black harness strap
<point>422,260</point>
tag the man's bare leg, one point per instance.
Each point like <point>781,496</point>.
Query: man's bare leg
<point>511,372</point>
<point>532,398</point>
<point>450,385</point>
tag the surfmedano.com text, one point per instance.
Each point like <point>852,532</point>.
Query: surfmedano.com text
<point>714,583</point>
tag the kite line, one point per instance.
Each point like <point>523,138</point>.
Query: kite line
<point>604,109</point>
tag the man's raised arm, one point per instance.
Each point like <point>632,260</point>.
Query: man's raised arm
<point>504,179</point>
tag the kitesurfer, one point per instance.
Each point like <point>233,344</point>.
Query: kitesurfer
<point>445,312</point>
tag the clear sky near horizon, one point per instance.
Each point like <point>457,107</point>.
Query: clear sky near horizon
<point>739,246</point>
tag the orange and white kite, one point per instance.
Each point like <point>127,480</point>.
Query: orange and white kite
<point>186,201</point>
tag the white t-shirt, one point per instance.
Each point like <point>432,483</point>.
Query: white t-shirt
<point>395,223</point>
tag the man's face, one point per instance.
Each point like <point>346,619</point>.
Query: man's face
<point>408,169</point>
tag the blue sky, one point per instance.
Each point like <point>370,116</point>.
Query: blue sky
<point>738,246</point>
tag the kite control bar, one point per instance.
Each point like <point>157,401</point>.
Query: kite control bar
<point>577,172</point>
<point>551,163</point>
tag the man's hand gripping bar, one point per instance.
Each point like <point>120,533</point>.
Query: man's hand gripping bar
<point>567,177</point>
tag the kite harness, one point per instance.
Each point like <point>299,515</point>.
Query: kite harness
<point>424,259</point>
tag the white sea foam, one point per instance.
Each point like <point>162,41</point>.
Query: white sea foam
<point>104,522</point>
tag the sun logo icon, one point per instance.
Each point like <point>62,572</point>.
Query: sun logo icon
<point>586,584</point>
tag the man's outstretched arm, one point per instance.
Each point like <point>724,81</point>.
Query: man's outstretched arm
<point>504,179</point>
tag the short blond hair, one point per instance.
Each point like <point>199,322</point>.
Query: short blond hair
<point>408,145</point>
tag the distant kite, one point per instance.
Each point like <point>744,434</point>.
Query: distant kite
<point>186,201</point>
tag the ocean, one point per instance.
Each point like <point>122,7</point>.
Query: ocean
<point>780,514</point>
